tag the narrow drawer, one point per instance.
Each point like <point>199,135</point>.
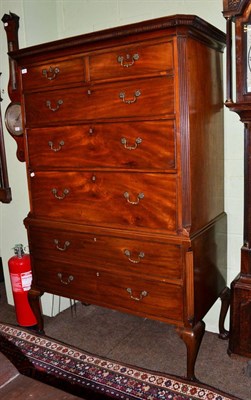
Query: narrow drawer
<point>49,75</point>
<point>139,145</point>
<point>142,98</point>
<point>119,291</point>
<point>136,59</point>
<point>160,260</point>
<point>109,199</point>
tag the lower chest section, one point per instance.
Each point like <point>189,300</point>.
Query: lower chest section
<point>135,275</point>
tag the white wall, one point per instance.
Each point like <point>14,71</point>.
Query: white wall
<point>37,24</point>
<point>45,20</point>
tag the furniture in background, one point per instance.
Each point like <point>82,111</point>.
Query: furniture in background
<point>239,12</point>
<point>5,190</point>
<point>1,270</point>
<point>13,117</point>
<point>123,140</point>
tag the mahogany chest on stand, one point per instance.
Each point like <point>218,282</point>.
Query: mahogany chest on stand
<point>124,149</point>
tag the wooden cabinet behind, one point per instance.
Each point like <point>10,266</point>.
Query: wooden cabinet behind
<point>238,19</point>
<point>124,152</point>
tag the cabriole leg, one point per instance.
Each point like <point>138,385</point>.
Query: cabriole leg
<point>225,302</point>
<point>34,300</point>
<point>192,338</point>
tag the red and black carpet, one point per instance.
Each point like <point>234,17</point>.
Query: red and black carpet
<point>90,376</point>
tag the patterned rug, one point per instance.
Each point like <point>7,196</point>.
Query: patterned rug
<point>91,377</point>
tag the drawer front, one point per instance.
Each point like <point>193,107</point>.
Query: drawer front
<point>141,98</point>
<point>137,59</point>
<point>119,291</point>
<point>161,260</point>
<point>108,199</point>
<point>48,76</point>
<point>138,145</point>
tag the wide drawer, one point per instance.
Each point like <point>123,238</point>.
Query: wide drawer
<point>119,291</point>
<point>136,59</point>
<point>139,98</point>
<point>147,258</point>
<point>109,199</point>
<point>138,145</point>
<point>49,75</point>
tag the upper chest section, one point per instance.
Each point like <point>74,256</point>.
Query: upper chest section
<point>143,49</point>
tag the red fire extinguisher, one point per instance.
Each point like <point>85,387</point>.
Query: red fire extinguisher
<point>21,277</point>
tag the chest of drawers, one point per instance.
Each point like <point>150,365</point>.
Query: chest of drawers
<point>124,151</point>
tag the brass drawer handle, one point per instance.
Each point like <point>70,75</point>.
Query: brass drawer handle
<point>142,294</point>
<point>125,61</point>
<point>137,142</point>
<point>139,197</point>
<point>69,279</point>
<point>128,255</point>
<point>51,145</point>
<point>60,197</point>
<point>122,96</point>
<point>59,103</point>
<point>66,244</point>
<point>51,73</point>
